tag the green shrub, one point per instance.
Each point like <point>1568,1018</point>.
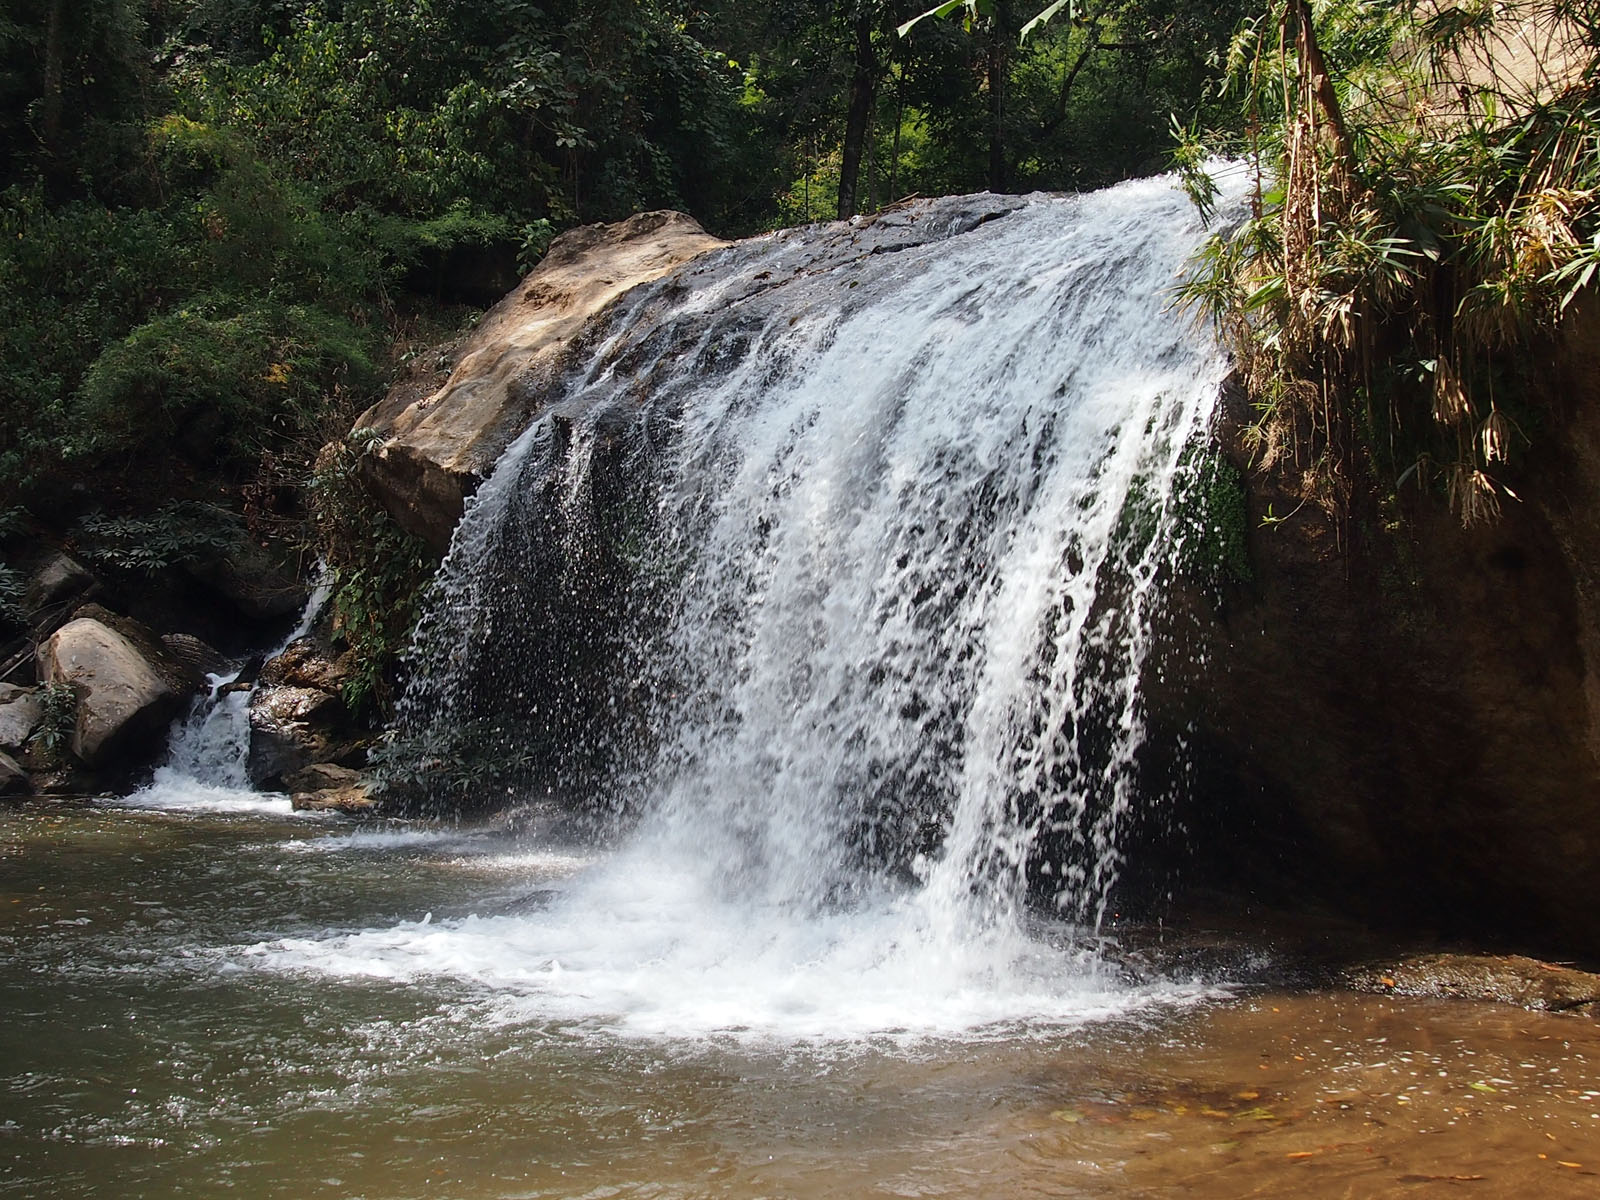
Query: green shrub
<point>56,723</point>
<point>12,588</point>
<point>1418,222</point>
<point>218,380</point>
<point>379,571</point>
<point>175,534</point>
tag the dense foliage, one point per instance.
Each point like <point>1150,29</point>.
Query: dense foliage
<point>1427,211</point>
<point>225,222</point>
<point>220,213</point>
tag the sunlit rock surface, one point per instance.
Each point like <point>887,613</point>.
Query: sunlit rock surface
<point>442,441</point>
<point>121,697</point>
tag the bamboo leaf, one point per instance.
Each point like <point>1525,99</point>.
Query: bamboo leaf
<point>1047,14</point>
<point>938,10</point>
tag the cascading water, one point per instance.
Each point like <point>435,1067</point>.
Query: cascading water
<point>209,748</point>
<point>839,592</point>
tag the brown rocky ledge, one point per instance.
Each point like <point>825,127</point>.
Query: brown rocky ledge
<point>442,440</point>
<point>1505,979</point>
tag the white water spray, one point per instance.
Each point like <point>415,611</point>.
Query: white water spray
<point>903,551</point>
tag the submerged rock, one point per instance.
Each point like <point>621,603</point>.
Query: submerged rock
<point>124,705</point>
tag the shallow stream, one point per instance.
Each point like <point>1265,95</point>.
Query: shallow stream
<point>202,1003</point>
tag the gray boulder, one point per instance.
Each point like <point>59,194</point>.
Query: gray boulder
<point>21,711</point>
<point>123,703</point>
<point>197,657</point>
<point>60,580</point>
<point>175,672</point>
<point>13,779</point>
<point>252,581</point>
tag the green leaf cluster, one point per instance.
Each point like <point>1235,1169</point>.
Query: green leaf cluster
<point>379,571</point>
<point>178,533</point>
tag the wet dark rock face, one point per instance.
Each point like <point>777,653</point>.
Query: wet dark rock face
<point>564,685</point>
<point>1402,717</point>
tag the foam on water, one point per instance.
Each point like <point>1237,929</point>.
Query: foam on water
<point>487,851</point>
<point>180,794</point>
<point>640,948</point>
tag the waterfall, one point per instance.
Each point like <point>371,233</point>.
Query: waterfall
<point>836,596</point>
<point>208,748</point>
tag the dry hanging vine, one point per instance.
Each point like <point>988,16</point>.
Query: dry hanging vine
<point>1421,217</point>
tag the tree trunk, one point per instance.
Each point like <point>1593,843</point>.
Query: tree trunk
<point>872,160</point>
<point>863,88</point>
<point>899,120</point>
<point>999,66</point>
<point>50,103</point>
<point>1321,86</point>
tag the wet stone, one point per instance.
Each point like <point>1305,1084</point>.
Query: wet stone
<point>13,779</point>
<point>1506,979</point>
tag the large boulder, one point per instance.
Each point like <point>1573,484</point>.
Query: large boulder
<point>1504,979</point>
<point>123,703</point>
<point>178,672</point>
<point>306,663</point>
<point>298,718</point>
<point>440,441</point>
<point>58,582</point>
<point>1400,715</point>
<point>259,586</point>
<point>289,730</point>
<point>13,779</point>
<point>197,657</point>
